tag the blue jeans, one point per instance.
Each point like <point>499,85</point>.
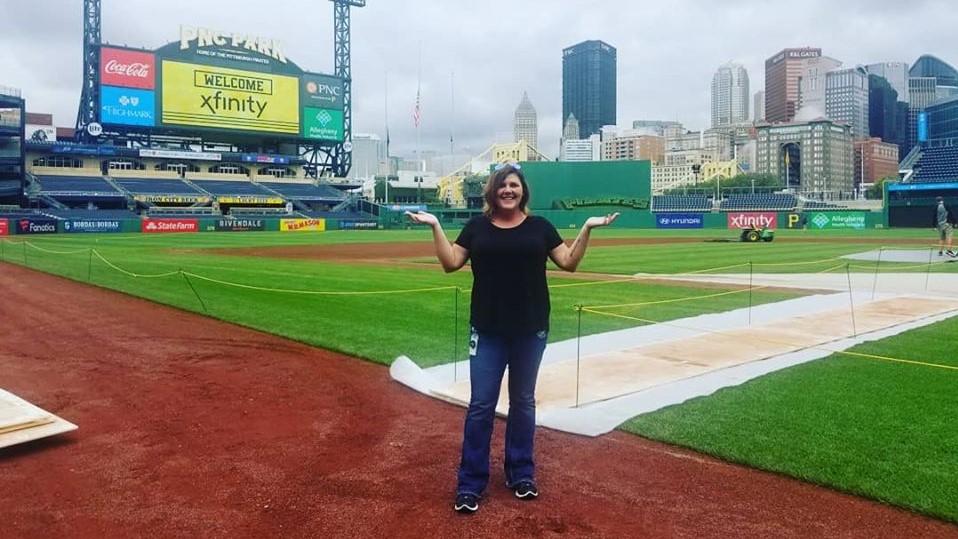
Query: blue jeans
<point>489,355</point>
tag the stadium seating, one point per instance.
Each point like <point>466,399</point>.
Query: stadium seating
<point>306,191</point>
<point>77,186</point>
<point>90,214</point>
<point>344,215</point>
<point>936,165</point>
<point>232,188</point>
<point>156,186</point>
<point>19,214</point>
<point>204,211</point>
<point>760,202</point>
<point>260,212</point>
<point>820,205</point>
<point>681,203</point>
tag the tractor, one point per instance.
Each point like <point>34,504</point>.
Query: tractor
<point>752,234</point>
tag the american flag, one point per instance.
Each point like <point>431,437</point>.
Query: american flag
<point>415,110</point>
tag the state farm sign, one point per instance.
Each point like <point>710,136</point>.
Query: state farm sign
<point>740,220</point>
<point>4,227</point>
<point>162,226</point>
<point>129,69</point>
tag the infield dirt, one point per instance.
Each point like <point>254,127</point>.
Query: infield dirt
<point>191,427</point>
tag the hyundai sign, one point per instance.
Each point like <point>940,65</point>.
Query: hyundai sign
<point>678,220</point>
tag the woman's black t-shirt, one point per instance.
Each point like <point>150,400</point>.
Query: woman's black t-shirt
<point>509,291</point>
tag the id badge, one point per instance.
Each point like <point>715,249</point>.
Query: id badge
<point>473,343</point>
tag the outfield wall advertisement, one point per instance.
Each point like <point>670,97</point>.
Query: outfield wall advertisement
<point>4,227</point>
<point>302,225</point>
<point>239,225</point>
<point>756,219</point>
<point>166,226</point>
<point>836,220</point>
<point>92,226</point>
<point>211,80</point>
<point>36,226</point>
<point>679,220</point>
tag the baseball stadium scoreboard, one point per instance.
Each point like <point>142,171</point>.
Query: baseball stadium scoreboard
<point>224,82</point>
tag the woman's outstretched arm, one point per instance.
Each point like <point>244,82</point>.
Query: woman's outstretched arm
<point>451,255</point>
<point>568,257</point>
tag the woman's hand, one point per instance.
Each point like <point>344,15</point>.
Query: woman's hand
<point>595,222</point>
<point>423,218</point>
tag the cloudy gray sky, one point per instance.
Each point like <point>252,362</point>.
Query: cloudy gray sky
<point>482,54</point>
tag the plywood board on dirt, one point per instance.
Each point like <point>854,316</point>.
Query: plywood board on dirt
<point>25,422</point>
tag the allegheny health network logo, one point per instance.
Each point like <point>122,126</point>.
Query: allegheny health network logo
<point>820,220</point>
<point>323,118</point>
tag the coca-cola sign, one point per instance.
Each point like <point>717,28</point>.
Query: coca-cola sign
<point>126,68</point>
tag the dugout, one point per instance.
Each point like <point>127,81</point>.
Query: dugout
<point>909,205</point>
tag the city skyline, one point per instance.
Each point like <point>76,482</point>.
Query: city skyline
<point>476,63</point>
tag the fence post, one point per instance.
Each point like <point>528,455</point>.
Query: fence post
<point>578,349</point>
<point>195,293</point>
<point>877,263</point>
<point>851,300</point>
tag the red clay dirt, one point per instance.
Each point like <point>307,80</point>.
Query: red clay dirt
<point>191,427</point>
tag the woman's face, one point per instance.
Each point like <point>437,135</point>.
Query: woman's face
<point>509,194</point>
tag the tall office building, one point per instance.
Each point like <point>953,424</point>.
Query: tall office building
<point>588,85</point>
<point>730,95</point>
<point>896,73</point>
<point>782,74</point>
<point>887,114</point>
<point>758,107</point>
<point>929,80</point>
<point>570,130</point>
<point>811,158</point>
<point>654,127</point>
<point>369,157</point>
<point>811,87</point>
<point>525,126</point>
<point>846,99</point>
<point>946,77</point>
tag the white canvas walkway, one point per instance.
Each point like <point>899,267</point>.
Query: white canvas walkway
<point>625,373</point>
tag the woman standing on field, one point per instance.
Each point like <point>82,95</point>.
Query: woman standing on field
<point>510,323</point>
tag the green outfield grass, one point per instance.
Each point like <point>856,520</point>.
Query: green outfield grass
<point>876,428</point>
<point>881,429</point>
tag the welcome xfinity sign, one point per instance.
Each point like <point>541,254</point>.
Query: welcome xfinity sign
<point>212,80</point>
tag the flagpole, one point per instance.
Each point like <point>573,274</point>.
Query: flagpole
<point>418,105</point>
<point>386,119</point>
<point>452,115</point>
